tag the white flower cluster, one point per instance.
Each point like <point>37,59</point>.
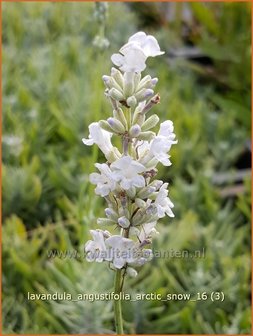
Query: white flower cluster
<point>135,199</point>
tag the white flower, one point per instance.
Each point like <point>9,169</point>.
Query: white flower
<point>126,171</point>
<point>166,130</point>
<point>122,250</point>
<point>163,203</point>
<point>132,61</point>
<point>161,144</point>
<point>150,153</point>
<point>99,137</point>
<point>147,231</point>
<point>105,181</point>
<point>133,55</point>
<point>96,249</point>
<point>147,43</point>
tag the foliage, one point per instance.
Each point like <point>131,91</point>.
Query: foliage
<point>52,90</point>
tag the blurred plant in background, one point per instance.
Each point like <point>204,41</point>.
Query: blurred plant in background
<point>100,15</point>
<point>50,96</point>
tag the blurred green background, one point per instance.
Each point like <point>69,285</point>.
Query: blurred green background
<point>52,90</point>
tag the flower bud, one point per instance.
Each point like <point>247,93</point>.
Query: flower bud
<point>116,94</point>
<point>150,122</point>
<point>144,94</point>
<point>123,212</point>
<point>131,192</point>
<point>143,217</point>
<point>106,80</point>
<point>151,210</point>
<point>140,203</point>
<point>111,83</point>
<point>138,110</point>
<point>137,79</point>
<point>106,234</point>
<point>147,136</point>
<point>116,125</point>
<point>139,218</point>
<point>105,125</point>
<point>144,82</point>
<point>154,81</point>
<point>131,272</point>
<point>123,222</point>
<point>139,119</point>
<point>148,83</point>
<point>119,114</point>
<point>105,222</point>
<point>131,101</point>
<point>128,84</point>
<point>111,214</point>
<point>134,131</point>
<point>117,75</point>
<point>146,192</point>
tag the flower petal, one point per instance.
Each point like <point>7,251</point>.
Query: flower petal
<point>117,59</point>
<point>151,47</point>
<point>119,262</point>
<point>138,37</point>
<point>88,142</point>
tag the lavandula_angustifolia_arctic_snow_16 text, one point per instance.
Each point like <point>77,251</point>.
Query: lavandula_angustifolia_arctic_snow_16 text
<point>135,198</point>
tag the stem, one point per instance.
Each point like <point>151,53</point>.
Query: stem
<point>125,145</point>
<point>117,303</point>
<point>119,276</point>
<point>123,278</point>
<point>118,287</point>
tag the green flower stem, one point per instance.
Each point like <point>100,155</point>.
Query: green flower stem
<point>117,303</point>
<point>120,273</point>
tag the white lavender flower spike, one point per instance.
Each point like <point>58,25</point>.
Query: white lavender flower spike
<point>135,199</point>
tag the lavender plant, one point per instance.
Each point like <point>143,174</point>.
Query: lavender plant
<point>135,199</point>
